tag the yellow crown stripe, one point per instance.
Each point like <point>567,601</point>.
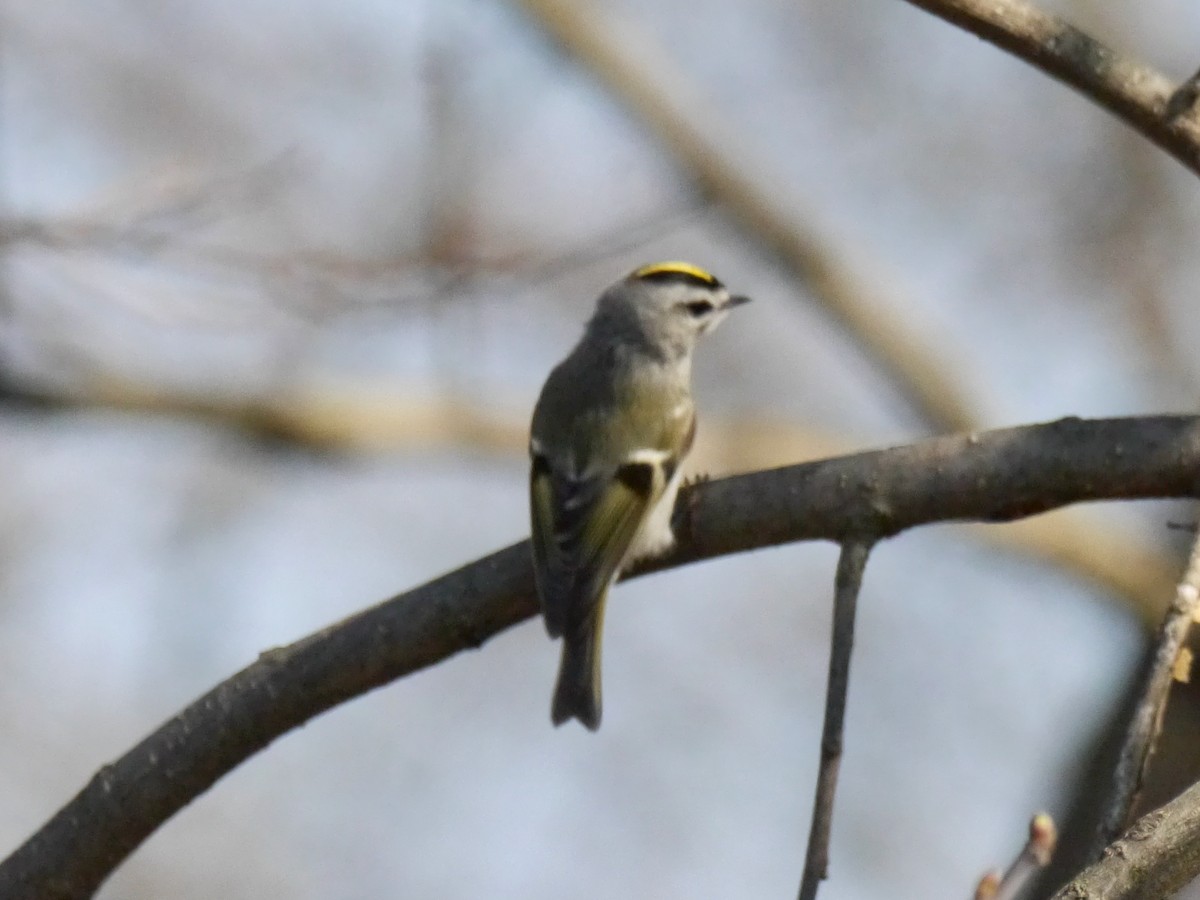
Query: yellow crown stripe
<point>676,268</point>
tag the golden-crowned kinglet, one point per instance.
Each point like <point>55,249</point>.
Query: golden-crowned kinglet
<point>612,424</point>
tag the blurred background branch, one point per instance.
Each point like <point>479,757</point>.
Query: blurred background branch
<point>626,60</point>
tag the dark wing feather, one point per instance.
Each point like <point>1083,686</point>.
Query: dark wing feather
<point>582,529</point>
<point>546,567</point>
<point>559,507</point>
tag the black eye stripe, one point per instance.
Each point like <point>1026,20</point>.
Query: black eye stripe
<point>698,308</point>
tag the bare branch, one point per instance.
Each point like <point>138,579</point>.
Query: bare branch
<point>847,585</point>
<point>994,476</point>
<point>1146,723</point>
<point>1034,856</point>
<point>1155,858</point>
<point>1130,90</point>
<point>367,417</point>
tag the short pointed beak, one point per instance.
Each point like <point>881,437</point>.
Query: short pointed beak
<point>735,300</point>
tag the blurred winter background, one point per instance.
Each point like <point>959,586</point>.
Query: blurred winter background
<point>280,284</point>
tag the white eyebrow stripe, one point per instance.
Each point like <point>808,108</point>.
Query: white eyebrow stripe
<point>535,447</point>
<point>654,457</point>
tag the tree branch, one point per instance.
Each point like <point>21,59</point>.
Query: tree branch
<point>1146,722</point>
<point>359,417</point>
<point>1034,856</point>
<point>1155,858</point>
<point>992,476</point>
<point>847,585</point>
<point>1133,92</point>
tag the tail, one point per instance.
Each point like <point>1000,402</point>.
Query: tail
<point>577,693</point>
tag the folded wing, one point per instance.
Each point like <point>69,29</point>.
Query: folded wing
<point>582,530</point>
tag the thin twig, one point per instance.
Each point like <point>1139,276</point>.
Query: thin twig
<point>847,584</point>
<point>334,281</point>
<point>993,476</point>
<point>1034,856</point>
<point>1146,723</point>
<point>1133,92</point>
<point>615,241</point>
<point>989,885</point>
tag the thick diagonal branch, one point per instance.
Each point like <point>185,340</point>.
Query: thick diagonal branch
<point>1154,858</point>
<point>994,476</point>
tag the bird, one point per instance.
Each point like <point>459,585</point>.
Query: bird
<point>610,428</point>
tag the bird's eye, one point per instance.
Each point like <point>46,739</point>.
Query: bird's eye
<point>698,308</point>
